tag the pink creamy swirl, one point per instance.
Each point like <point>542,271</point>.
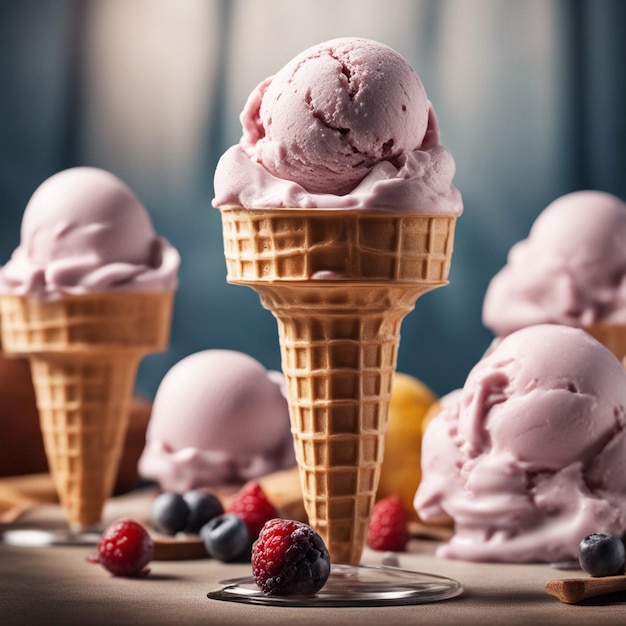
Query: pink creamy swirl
<point>345,124</point>
<point>529,457</point>
<point>84,231</point>
<point>570,270</point>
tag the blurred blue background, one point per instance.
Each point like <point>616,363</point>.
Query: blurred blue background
<point>530,95</point>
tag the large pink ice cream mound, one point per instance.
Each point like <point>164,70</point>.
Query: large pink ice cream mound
<point>530,456</point>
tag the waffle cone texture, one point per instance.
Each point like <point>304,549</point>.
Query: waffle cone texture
<point>84,352</point>
<point>339,283</point>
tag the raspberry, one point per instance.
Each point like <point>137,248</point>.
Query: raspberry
<point>252,505</point>
<point>125,548</point>
<point>388,529</point>
<point>289,558</point>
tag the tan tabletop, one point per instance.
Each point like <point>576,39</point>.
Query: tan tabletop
<point>57,585</point>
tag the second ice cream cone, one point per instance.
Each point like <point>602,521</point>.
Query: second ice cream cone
<point>339,283</point>
<point>84,352</point>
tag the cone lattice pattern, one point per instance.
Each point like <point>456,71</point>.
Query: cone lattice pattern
<point>91,322</point>
<point>339,360</point>
<point>296,245</point>
<point>613,337</point>
<point>339,284</point>
<point>84,352</point>
<point>83,411</point>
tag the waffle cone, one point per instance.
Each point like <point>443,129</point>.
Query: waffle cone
<point>84,352</point>
<point>612,336</point>
<point>339,284</point>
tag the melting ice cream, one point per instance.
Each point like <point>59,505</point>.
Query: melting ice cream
<point>530,456</point>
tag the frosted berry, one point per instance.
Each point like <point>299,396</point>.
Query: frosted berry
<point>289,558</point>
<point>388,528</point>
<point>602,554</point>
<point>169,513</point>
<point>125,548</point>
<point>226,538</point>
<point>203,507</point>
<point>252,505</point>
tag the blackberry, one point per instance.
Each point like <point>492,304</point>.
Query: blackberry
<point>289,558</point>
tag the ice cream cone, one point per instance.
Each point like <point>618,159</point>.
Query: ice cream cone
<point>612,336</point>
<point>84,352</point>
<point>339,283</point>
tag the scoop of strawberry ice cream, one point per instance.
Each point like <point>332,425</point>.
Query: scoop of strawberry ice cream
<point>218,418</point>
<point>529,457</point>
<point>570,270</point>
<point>323,122</point>
<point>345,124</point>
<point>84,231</point>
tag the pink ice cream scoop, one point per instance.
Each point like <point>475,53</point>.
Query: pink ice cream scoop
<point>84,231</point>
<point>530,456</point>
<point>570,270</point>
<point>218,418</point>
<point>345,124</point>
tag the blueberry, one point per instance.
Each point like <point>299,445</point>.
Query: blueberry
<point>602,554</point>
<point>226,537</point>
<point>169,513</point>
<point>203,507</point>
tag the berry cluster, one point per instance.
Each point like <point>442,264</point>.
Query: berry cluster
<point>227,534</point>
<point>288,557</point>
<point>172,513</point>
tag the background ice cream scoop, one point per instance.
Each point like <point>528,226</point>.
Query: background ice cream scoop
<point>529,457</point>
<point>83,231</point>
<point>570,270</point>
<point>219,417</point>
<point>346,123</point>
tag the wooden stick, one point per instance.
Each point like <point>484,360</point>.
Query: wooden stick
<point>573,590</point>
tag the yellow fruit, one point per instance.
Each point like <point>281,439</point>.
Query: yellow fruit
<point>401,469</point>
